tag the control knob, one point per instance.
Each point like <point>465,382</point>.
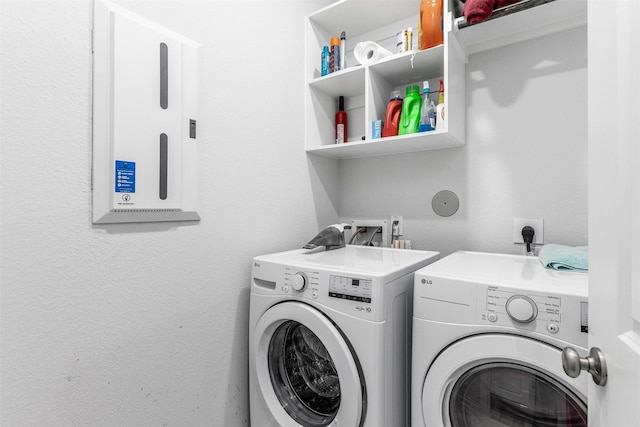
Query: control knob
<point>299,281</point>
<point>522,309</point>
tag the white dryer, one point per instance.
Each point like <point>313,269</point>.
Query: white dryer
<point>488,332</point>
<point>330,337</point>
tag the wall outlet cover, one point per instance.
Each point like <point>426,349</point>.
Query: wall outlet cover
<point>538,227</point>
<point>398,218</point>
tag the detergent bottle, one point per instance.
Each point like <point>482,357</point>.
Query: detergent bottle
<point>392,117</point>
<point>411,107</point>
<point>441,118</point>
<point>430,31</point>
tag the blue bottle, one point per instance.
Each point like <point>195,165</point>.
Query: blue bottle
<point>326,61</point>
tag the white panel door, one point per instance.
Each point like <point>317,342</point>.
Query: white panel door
<point>144,137</point>
<point>614,208</point>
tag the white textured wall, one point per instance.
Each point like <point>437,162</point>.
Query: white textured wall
<point>525,156</point>
<point>136,325</point>
<point>133,325</point>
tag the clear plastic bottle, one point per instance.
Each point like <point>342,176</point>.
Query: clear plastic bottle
<point>428,111</point>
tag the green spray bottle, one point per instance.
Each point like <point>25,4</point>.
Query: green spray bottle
<point>411,106</point>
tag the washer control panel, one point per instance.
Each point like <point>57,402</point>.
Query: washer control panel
<point>368,295</point>
<point>349,293</point>
<point>358,295</point>
<point>308,284</point>
<point>350,288</point>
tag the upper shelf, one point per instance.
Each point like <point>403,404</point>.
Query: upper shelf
<point>522,21</point>
<point>344,14</point>
<point>399,69</point>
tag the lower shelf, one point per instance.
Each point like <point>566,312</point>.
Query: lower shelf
<point>412,143</point>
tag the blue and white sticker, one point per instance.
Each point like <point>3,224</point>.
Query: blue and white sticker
<point>125,177</point>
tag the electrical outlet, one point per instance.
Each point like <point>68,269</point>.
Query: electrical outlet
<point>398,218</point>
<point>538,227</point>
<point>372,225</point>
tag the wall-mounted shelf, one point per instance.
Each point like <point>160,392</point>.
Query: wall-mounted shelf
<point>367,88</point>
<point>519,22</point>
<point>359,17</point>
<point>392,145</point>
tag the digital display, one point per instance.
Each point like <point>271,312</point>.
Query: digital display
<point>350,289</point>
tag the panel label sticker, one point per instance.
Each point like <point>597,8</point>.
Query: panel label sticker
<point>125,177</point>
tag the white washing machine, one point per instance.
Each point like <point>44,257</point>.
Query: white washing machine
<point>488,332</point>
<point>330,336</point>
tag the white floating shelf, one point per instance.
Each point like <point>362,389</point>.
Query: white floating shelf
<point>433,140</point>
<point>519,22</point>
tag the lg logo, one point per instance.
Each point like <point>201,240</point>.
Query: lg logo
<point>426,282</point>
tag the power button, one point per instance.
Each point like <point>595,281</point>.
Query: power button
<point>314,295</point>
<point>492,317</point>
<point>553,328</point>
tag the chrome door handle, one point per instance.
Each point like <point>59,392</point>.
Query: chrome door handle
<point>595,364</point>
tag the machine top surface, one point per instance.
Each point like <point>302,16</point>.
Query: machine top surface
<point>374,261</point>
<point>517,271</point>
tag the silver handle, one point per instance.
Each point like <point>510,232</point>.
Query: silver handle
<point>164,76</point>
<point>595,364</point>
<point>164,152</point>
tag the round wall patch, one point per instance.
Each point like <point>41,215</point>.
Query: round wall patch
<point>445,203</point>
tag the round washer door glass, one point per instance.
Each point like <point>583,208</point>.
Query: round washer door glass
<point>303,375</point>
<point>508,394</point>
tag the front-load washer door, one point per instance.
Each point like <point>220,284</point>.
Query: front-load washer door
<point>306,370</point>
<point>499,381</point>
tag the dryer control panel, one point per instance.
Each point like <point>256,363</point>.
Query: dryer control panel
<point>522,308</point>
<point>504,293</point>
<point>562,316</point>
<point>554,314</point>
